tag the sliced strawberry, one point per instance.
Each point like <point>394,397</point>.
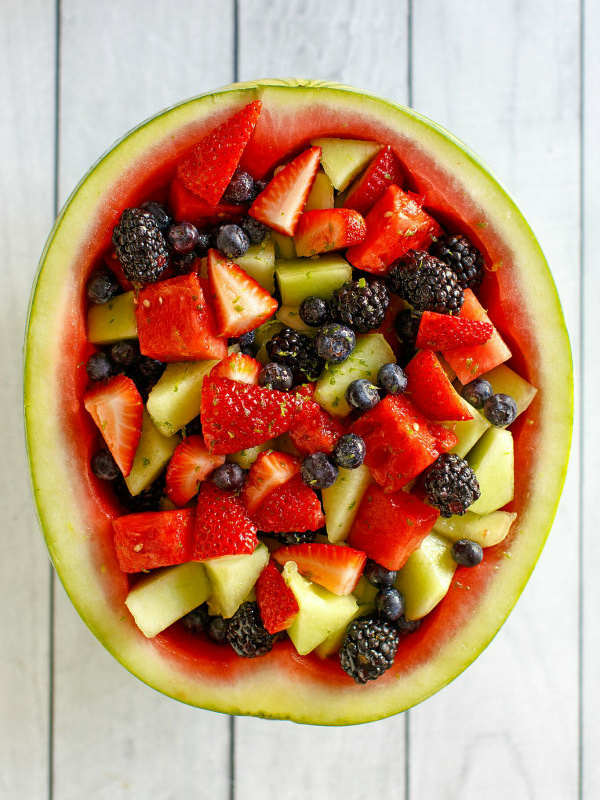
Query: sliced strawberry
<point>207,170</point>
<point>270,470</point>
<point>326,229</point>
<point>222,526</point>
<point>336,568</point>
<point>291,507</point>
<point>280,204</point>
<point>241,304</point>
<point>389,527</point>
<point>431,390</point>
<point>444,332</point>
<point>236,416</point>
<point>314,429</point>
<point>395,225</point>
<point>238,367</point>
<point>276,601</point>
<point>189,465</point>
<point>188,207</point>
<point>154,539</point>
<point>117,408</point>
<point>383,171</point>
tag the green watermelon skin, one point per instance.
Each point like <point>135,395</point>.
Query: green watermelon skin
<point>75,511</point>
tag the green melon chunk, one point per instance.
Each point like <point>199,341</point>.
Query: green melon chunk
<point>175,398</point>
<point>114,321</point>
<point>334,641</point>
<point>486,530</point>
<point>231,578</point>
<point>245,458</point>
<point>151,457</point>
<point>426,576</point>
<point>365,592</point>
<point>344,159</point>
<point>370,354</point>
<point>469,431</point>
<point>262,335</point>
<point>506,381</point>
<point>290,316</point>
<point>342,500</point>
<point>321,193</point>
<point>284,245</point>
<point>164,597</point>
<point>492,460</point>
<point>299,278</point>
<point>321,613</point>
<point>259,263</point>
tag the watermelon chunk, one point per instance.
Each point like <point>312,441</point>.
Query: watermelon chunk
<point>430,389</point>
<point>154,539</point>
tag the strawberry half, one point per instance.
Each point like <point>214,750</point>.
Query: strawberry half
<point>153,539</point>
<point>117,408</point>
<point>336,568</point>
<point>276,601</point>
<point>238,367</point>
<point>383,170</point>
<point>280,204</point>
<point>291,507</point>
<point>444,332</point>
<point>189,465</point>
<point>270,470</point>
<point>431,391</point>
<point>222,526</point>
<point>240,303</point>
<point>207,170</point>
<point>326,229</point>
<point>188,207</point>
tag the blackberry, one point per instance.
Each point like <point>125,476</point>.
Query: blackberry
<point>467,553</point>
<point>349,451</point>
<point>240,189</point>
<point>314,311</point>
<point>232,240</point>
<point>477,392</point>
<point>148,500</point>
<point>297,351</point>
<point>389,604</point>
<point>196,621</point>
<point>362,394</point>
<point>500,409</point>
<point>425,282</point>
<point>368,649</point>
<point>451,485</point>
<point>125,353</point>
<point>378,575</point>
<point>246,633</point>
<point>360,304</point>
<point>145,373</point>
<point>99,366</point>
<point>392,379</point>
<point>229,477</point>
<point>102,286</point>
<point>183,237</point>
<point>182,264</point>
<point>318,471</point>
<point>256,230</point>
<point>276,376</point>
<point>217,629</point>
<point>160,212</point>
<point>140,245</point>
<point>335,342</point>
<point>295,537</point>
<point>104,466</point>
<point>463,258</point>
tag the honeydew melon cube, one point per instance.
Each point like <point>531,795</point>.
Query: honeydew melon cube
<point>175,399</point>
<point>344,159</point>
<point>426,577</point>
<point>469,431</point>
<point>506,381</point>
<point>290,316</point>
<point>151,457</point>
<point>245,458</point>
<point>165,596</point>
<point>321,193</point>
<point>486,530</point>
<point>111,322</point>
<point>299,278</point>
<point>231,578</point>
<point>262,335</point>
<point>492,460</point>
<point>334,641</point>
<point>259,263</point>
<point>284,245</point>
<point>341,501</point>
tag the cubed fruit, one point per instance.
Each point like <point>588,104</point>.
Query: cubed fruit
<point>231,578</point>
<point>321,193</point>
<point>238,367</point>
<point>492,460</point>
<point>443,331</point>
<point>188,207</point>
<point>333,642</point>
<point>342,501</point>
<point>314,429</point>
<point>284,245</point>
<point>299,278</point>
<point>164,597</point>
<point>487,530</point>
<point>336,568</point>
<point>504,380</point>
<point>344,159</point>
<point>175,399</point>
<point>426,577</point>
<point>259,263</point>
<point>384,170</point>
<point>114,321</point>
<point>276,601</point>
<point>321,613</point>
<point>151,457</point>
<point>154,539</point>
<point>431,391</point>
<point>468,431</point>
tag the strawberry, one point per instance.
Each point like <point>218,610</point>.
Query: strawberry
<point>189,465</point>
<point>238,367</point>
<point>241,304</point>
<point>276,601</point>
<point>154,539</point>
<point>270,470</point>
<point>222,526</point>
<point>188,207</point>
<point>395,225</point>
<point>430,389</point>
<point>236,416</point>
<point>280,204</point>
<point>383,170</point>
<point>291,507</point>
<point>336,568</point>
<point>389,527</point>
<point>444,332</point>
<point>117,408</point>
<point>326,229</point>
<point>207,170</point>
<point>314,429</point>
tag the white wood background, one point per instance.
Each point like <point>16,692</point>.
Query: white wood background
<point>518,81</point>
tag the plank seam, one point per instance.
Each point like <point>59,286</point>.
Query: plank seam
<point>581,403</point>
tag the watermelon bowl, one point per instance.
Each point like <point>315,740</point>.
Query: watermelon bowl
<point>75,510</point>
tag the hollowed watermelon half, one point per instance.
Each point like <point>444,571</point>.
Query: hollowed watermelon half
<point>75,511</point>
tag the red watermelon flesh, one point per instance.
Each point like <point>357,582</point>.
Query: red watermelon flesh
<point>188,207</point>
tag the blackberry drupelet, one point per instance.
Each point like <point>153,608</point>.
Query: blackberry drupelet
<point>297,351</point>
<point>148,500</point>
<point>463,258</point>
<point>295,537</point>
<point>140,245</point>
<point>256,230</point>
<point>196,621</point>
<point>102,286</point>
<point>368,649</point>
<point>360,305</point>
<point>426,282</point>
<point>451,485</point>
<point>246,633</point>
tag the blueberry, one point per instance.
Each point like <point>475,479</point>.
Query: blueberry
<point>349,451</point>
<point>104,466</point>
<point>184,263</point>
<point>240,189</point>
<point>183,237</point>
<point>500,410</point>
<point>335,342</point>
<point>276,376</point>
<point>217,630</point>
<point>314,311</point>
<point>204,243</point>
<point>229,477</point>
<point>256,230</point>
<point>477,392</point>
<point>318,471</point>
<point>467,553</point>
<point>389,604</point>
<point>102,286</point>
<point>232,241</point>
<point>379,576</point>
<point>247,343</point>
<point>407,626</point>
<point>196,621</point>
<point>125,353</point>
<point>362,394</point>
<point>392,379</point>
<point>160,213</point>
<point>259,186</point>
<point>99,367</point>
